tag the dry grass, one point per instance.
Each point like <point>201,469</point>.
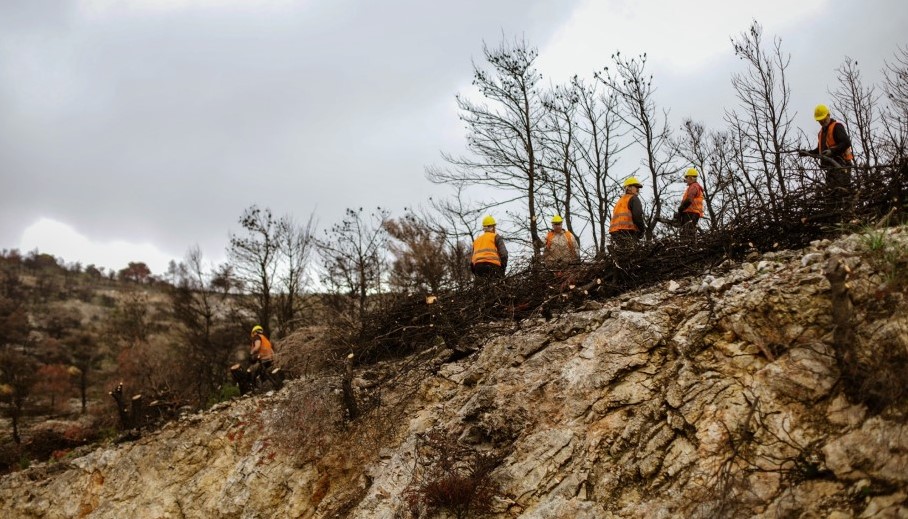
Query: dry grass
<point>308,420</point>
<point>452,477</point>
<point>309,352</point>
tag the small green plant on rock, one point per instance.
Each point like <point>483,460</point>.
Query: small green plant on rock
<point>873,372</point>
<point>227,392</point>
<point>888,255</point>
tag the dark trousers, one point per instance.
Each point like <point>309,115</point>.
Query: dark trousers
<point>838,188</point>
<point>261,369</point>
<point>689,226</point>
<point>487,271</point>
<point>623,243</point>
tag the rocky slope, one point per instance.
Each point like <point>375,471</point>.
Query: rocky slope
<point>737,394</point>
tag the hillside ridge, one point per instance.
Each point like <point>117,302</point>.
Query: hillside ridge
<point>723,395</point>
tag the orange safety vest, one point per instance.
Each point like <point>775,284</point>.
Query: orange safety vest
<point>266,352</point>
<point>485,250</point>
<point>622,219</point>
<point>829,141</point>
<point>567,234</point>
<point>696,201</point>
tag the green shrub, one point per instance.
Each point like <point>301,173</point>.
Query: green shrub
<point>228,390</point>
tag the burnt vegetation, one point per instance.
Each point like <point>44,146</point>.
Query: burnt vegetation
<point>375,287</point>
<point>450,476</point>
<point>760,196</point>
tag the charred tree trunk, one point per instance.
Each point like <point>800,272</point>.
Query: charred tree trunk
<point>349,398</point>
<point>137,411</point>
<point>122,410</point>
<point>240,378</point>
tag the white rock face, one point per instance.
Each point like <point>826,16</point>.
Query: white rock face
<point>722,400</point>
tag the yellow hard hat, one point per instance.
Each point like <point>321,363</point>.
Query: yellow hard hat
<point>257,329</point>
<point>557,219</point>
<point>632,181</point>
<point>820,112</point>
<point>488,220</point>
<point>692,172</point>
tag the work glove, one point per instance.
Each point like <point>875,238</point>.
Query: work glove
<point>803,153</point>
<point>827,153</point>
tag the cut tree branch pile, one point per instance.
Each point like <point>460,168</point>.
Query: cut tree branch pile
<point>415,322</point>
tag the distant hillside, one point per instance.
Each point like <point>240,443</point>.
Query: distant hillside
<point>72,333</point>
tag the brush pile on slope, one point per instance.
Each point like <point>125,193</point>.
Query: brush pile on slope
<point>414,322</point>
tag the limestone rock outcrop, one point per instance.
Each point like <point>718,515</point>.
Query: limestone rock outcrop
<point>716,396</point>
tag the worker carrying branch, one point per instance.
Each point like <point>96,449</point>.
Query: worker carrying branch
<point>836,158</point>
<point>832,140</point>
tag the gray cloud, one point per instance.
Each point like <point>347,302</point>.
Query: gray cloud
<point>163,126</point>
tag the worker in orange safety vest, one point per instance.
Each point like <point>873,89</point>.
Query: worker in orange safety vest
<point>560,244</point>
<point>261,352</point>
<point>627,225</point>
<point>832,140</point>
<point>490,256</point>
<point>691,209</point>
<point>836,157</point>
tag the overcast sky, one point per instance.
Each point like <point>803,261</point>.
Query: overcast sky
<point>131,130</point>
